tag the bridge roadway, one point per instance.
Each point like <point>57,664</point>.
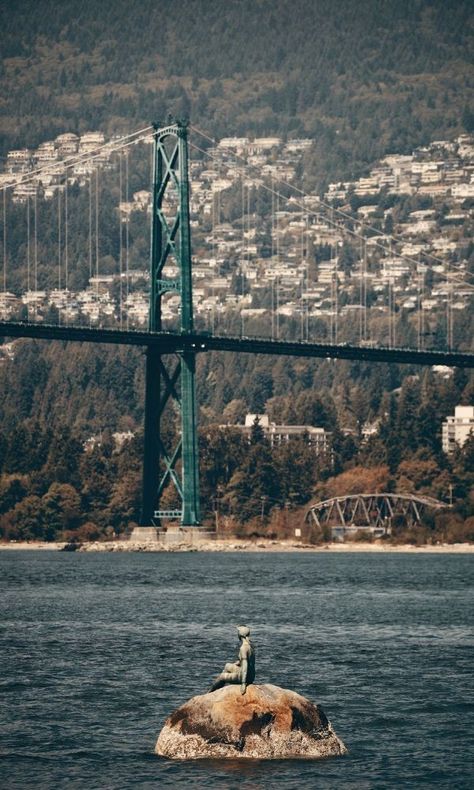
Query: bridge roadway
<point>171,342</point>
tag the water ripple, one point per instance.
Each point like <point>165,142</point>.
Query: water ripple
<point>98,649</point>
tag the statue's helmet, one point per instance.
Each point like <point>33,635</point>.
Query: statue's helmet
<point>243,631</point>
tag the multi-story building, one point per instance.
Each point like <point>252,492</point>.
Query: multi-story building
<point>9,304</point>
<point>90,141</point>
<point>318,438</point>
<point>67,143</point>
<point>457,428</point>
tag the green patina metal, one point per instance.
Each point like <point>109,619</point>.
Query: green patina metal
<point>170,376</point>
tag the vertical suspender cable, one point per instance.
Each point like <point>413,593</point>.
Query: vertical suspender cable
<point>447,305</point>
<point>151,181</point>
<point>59,240</point>
<point>389,307</point>
<point>245,239</point>
<point>390,310</point>
<point>248,226</point>
<point>361,287</point>
<point>127,236</point>
<point>248,237</point>
<point>242,254</point>
<point>392,313</point>
<point>90,240</point>
<point>214,256</point>
<point>333,296</point>
<point>272,244</point>
<point>336,297</point>
<point>419,322</point>
<point>5,240</point>
<point>218,220</point>
<point>120,243</point>
<point>28,253</point>
<point>242,259</point>
<point>422,311</point>
<point>303,263</point>
<point>278,306</point>
<point>365,289</point>
<point>213,223</point>
<point>273,306</point>
<point>386,280</point>
<point>36,250</point>
<point>66,236</point>
<point>97,233</point>
<point>390,302</point>
<point>277,220</point>
<point>451,316</point>
<point>302,284</point>
<point>90,230</point>
<point>307,277</point>
<point>333,301</point>
<point>450,326</point>
<point>59,254</point>
<point>245,267</point>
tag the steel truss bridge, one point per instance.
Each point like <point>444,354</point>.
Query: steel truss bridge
<point>171,356</point>
<point>371,510</point>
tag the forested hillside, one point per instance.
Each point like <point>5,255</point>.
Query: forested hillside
<point>360,78</point>
<point>63,472</point>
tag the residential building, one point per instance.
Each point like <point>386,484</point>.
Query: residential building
<point>318,438</point>
<point>457,428</point>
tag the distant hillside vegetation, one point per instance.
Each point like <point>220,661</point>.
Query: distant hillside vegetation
<point>362,78</point>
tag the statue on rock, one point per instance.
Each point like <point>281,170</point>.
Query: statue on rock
<point>255,721</point>
<point>243,670</point>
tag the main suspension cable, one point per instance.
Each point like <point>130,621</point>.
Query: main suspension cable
<point>340,212</point>
<point>111,146</point>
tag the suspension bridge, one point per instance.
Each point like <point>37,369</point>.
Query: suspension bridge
<point>79,207</point>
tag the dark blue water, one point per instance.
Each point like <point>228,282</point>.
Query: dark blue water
<point>98,649</point>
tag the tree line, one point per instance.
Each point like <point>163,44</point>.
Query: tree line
<point>63,473</point>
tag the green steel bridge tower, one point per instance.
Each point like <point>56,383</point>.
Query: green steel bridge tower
<point>170,376</point>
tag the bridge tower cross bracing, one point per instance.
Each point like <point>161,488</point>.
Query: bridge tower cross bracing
<point>170,244</point>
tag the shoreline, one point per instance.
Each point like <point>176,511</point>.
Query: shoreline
<point>235,545</point>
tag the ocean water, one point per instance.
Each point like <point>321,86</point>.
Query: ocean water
<point>97,650</point>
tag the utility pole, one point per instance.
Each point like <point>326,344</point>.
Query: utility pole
<point>170,243</point>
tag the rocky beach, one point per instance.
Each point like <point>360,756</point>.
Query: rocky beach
<point>233,545</point>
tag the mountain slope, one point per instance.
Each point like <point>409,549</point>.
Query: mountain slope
<point>361,78</point>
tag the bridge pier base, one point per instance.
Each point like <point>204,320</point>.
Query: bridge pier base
<point>188,535</point>
<point>144,535</point>
<point>171,536</point>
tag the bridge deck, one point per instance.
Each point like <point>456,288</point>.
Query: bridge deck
<point>171,342</point>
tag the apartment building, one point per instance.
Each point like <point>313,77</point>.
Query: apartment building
<point>457,428</point>
<point>318,438</point>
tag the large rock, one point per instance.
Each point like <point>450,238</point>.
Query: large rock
<point>265,722</point>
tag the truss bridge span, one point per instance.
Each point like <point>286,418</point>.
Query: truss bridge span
<point>371,510</point>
